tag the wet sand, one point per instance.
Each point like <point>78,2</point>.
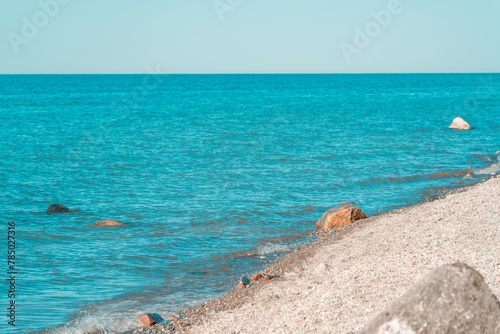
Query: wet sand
<point>341,281</point>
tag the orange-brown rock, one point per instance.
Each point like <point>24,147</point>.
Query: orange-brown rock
<point>287,250</point>
<point>338,217</point>
<point>458,181</point>
<point>267,278</point>
<point>256,277</point>
<point>241,285</point>
<point>150,319</point>
<point>108,223</point>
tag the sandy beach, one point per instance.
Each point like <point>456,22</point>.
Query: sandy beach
<point>340,282</point>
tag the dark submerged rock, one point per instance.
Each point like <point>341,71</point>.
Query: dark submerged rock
<point>57,208</point>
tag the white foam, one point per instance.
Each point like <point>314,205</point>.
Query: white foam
<point>270,248</point>
<point>100,323</point>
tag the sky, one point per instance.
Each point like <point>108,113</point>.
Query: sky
<point>249,36</point>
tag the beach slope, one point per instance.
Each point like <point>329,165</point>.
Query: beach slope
<point>349,280</point>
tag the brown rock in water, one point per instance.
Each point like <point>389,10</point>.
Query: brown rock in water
<point>256,277</point>
<point>338,217</point>
<point>57,208</point>
<point>107,223</point>
<point>458,181</point>
<point>150,319</point>
<point>450,299</point>
<point>241,285</point>
<point>287,250</point>
<point>459,124</point>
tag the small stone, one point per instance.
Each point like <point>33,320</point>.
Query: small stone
<point>150,319</point>
<point>108,223</point>
<point>267,278</point>
<point>322,268</point>
<point>294,291</point>
<point>458,181</point>
<point>57,208</point>
<point>287,250</point>
<point>296,249</point>
<point>256,277</point>
<point>245,280</point>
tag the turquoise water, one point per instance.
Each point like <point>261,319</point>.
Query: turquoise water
<point>206,169</point>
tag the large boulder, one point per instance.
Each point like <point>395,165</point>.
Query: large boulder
<point>459,124</point>
<point>338,217</point>
<point>57,208</point>
<point>450,299</point>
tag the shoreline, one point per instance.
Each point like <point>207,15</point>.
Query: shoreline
<point>291,271</point>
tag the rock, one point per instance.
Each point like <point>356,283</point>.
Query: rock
<point>321,269</point>
<point>459,124</point>
<point>245,280</point>
<point>287,250</point>
<point>450,299</point>
<point>241,285</point>
<point>108,223</point>
<point>256,277</point>
<point>267,278</point>
<point>458,181</point>
<point>150,319</point>
<point>337,217</point>
<point>57,208</point>
<point>296,249</point>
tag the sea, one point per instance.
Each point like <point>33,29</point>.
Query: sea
<point>210,176</point>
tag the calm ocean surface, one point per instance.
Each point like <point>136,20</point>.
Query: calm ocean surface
<point>203,170</point>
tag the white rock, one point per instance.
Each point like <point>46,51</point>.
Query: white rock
<point>460,124</point>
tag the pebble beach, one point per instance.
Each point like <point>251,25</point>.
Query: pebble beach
<point>341,281</point>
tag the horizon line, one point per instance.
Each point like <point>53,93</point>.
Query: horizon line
<point>245,73</point>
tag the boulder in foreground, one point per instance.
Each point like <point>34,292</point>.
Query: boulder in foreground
<point>150,319</point>
<point>459,124</point>
<point>108,223</point>
<point>450,299</point>
<point>57,208</point>
<point>338,217</point>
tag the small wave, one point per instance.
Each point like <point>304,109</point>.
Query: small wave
<point>100,323</point>
<point>270,248</point>
<point>431,176</point>
<point>493,169</point>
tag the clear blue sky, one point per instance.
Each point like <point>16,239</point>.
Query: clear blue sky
<point>249,36</point>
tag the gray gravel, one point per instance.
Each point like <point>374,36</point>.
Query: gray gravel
<point>348,281</point>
